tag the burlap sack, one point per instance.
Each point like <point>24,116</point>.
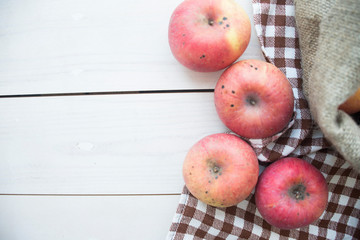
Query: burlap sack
<point>329,36</point>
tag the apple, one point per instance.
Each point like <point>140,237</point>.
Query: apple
<point>208,35</point>
<point>254,99</point>
<point>352,104</point>
<point>291,193</point>
<point>221,170</point>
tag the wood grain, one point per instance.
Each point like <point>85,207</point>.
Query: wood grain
<point>81,46</point>
<point>101,144</point>
<point>86,218</point>
<point>85,160</point>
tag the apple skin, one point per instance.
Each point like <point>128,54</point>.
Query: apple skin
<point>254,99</point>
<point>291,193</point>
<point>208,35</point>
<point>221,170</point>
<point>352,104</point>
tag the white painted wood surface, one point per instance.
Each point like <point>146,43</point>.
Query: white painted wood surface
<point>128,144</point>
<point>86,217</point>
<point>56,46</point>
<point>105,165</point>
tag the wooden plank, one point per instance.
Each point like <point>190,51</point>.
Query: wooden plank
<point>81,46</point>
<point>90,218</point>
<point>101,144</point>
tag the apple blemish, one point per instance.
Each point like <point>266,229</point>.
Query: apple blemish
<point>253,66</point>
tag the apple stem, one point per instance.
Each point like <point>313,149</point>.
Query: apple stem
<point>211,22</point>
<point>251,101</point>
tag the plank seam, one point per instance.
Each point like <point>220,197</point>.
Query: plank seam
<point>88,195</point>
<point>108,93</point>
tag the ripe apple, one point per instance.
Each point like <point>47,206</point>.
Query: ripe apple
<point>254,99</point>
<point>221,170</point>
<point>352,104</point>
<point>208,35</point>
<point>291,193</point>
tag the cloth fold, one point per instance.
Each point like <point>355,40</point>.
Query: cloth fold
<point>329,36</point>
<point>276,29</point>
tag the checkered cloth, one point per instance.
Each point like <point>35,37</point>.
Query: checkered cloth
<point>275,27</point>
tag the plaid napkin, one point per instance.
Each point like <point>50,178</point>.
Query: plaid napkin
<point>275,26</point>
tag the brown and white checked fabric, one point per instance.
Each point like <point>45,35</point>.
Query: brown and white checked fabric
<point>275,26</point>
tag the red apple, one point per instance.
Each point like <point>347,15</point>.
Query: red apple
<point>208,35</point>
<point>221,170</point>
<point>254,99</point>
<point>291,193</point>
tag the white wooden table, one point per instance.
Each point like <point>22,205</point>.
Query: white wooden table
<point>96,117</point>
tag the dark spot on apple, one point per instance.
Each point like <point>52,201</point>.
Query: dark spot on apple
<point>206,192</point>
<point>216,177</point>
<point>220,22</point>
<point>256,68</point>
<point>227,25</point>
<point>209,181</point>
<point>224,18</point>
<point>202,56</point>
<point>307,194</point>
<point>251,65</point>
<point>233,91</point>
<point>222,86</point>
<point>184,34</point>
<point>190,174</point>
<point>232,105</point>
